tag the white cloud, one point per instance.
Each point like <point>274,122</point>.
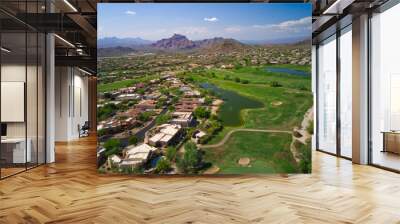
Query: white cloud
<point>290,25</point>
<point>211,19</point>
<point>129,12</point>
<point>233,29</point>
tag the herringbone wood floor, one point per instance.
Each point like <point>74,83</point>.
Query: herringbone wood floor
<point>71,191</point>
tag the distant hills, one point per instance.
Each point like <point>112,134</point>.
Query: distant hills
<point>114,46</point>
<point>177,41</point>
<point>181,42</point>
<point>114,51</point>
<point>121,42</point>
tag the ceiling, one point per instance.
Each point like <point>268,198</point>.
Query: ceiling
<point>74,22</point>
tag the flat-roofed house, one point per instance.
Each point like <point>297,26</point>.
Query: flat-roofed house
<point>147,104</point>
<point>165,135</point>
<point>137,155</point>
<point>185,119</point>
<point>129,96</point>
<point>197,135</point>
<point>156,138</point>
<point>153,96</point>
<point>127,90</point>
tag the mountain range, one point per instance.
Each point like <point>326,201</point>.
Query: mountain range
<point>107,42</point>
<point>114,46</point>
<point>181,42</point>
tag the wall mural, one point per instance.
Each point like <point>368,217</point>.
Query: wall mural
<point>204,88</point>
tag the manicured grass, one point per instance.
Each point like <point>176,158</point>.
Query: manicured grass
<point>293,101</point>
<point>305,68</point>
<point>106,87</point>
<point>220,135</point>
<point>285,116</point>
<point>268,153</point>
<point>115,85</point>
<point>259,75</point>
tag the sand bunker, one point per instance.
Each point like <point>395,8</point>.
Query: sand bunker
<point>276,103</point>
<point>212,170</point>
<point>244,161</point>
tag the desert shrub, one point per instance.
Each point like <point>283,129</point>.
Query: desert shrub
<point>191,161</point>
<point>133,140</point>
<point>112,147</point>
<point>171,153</point>
<point>163,166</point>
<point>276,84</point>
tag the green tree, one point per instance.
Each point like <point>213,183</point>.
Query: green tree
<point>145,116</point>
<point>276,84</point>
<point>112,147</point>
<point>202,112</point>
<point>310,127</point>
<point>107,95</point>
<point>208,100</point>
<point>238,66</point>
<point>191,161</point>
<point>171,153</point>
<point>189,79</point>
<point>171,108</point>
<point>175,99</point>
<point>133,140</point>
<point>101,132</point>
<point>163,166</point>
<point>213,75</point>
<point>162,119</point>
<point>164,91</point>
<point>176,91</point>
<point>305,156</point>
<point>161,103</point>
<point>237,79</point>
<point>106,111</point>
<point>132,103</point>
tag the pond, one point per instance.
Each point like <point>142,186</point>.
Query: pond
<point>287,71</point>
<point>229,112</point>
<point>154,161</point>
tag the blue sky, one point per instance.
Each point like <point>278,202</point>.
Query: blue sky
<point>244,21</point>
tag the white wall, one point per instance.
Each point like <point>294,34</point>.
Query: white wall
<point>71,94</point>
<point>314,91</point>
<point>12,73</point>
<point>385,81</point>
<point>346,75</point>
<point>33,126</point>
<point>327,95</point>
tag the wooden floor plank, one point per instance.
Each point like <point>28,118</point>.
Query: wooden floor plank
<point>71,191</point>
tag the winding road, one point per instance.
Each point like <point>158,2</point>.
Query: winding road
<point>228,135</point>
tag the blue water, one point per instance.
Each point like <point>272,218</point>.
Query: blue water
<point>154,161</point>
<point>229,112</point>
<point>287,71</point>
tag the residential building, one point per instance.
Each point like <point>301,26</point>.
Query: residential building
<point>129,96</point>
<point>146,104</point>
<point>137,155</point>
<point>165,134</point>
<point>185,119</point>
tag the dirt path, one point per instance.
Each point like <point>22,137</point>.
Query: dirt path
<point>215,106</point>
<point>308,116</point>
<point>228,135</point>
